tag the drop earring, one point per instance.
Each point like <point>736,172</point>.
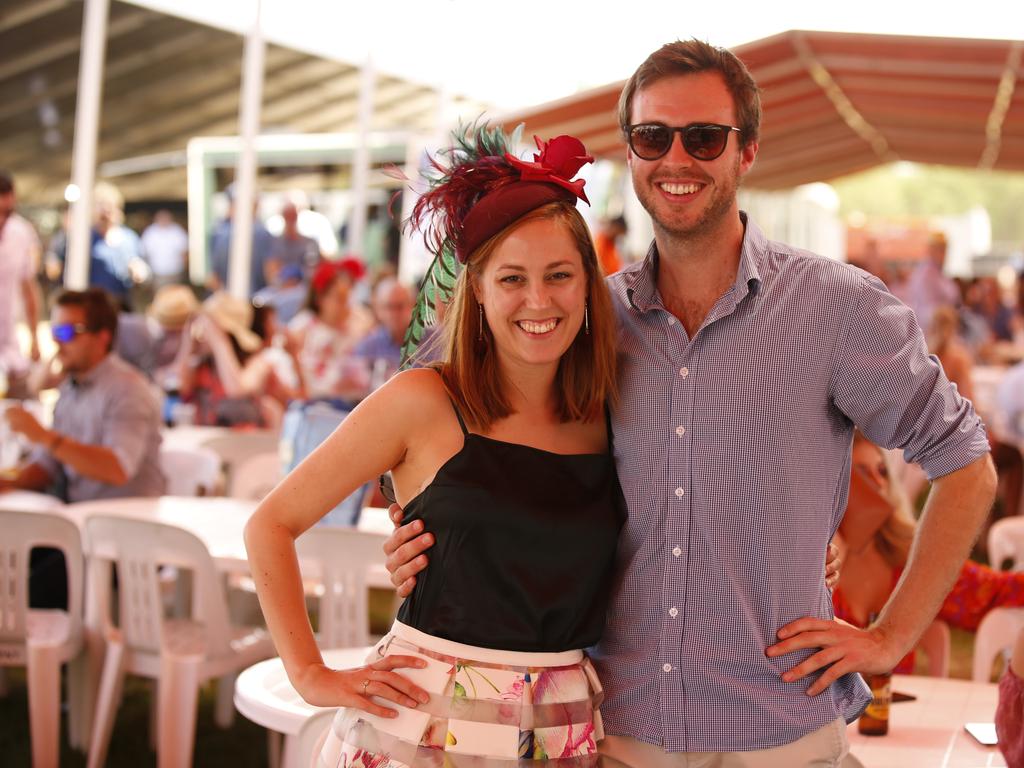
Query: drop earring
<point>586,318</point>
<point>480,331</point>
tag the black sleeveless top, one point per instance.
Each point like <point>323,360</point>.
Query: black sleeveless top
<point>525,545</point>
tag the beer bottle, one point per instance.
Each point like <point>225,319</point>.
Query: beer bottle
<point>875,720</point>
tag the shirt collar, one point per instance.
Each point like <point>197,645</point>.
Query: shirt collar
<point>642,284</point>
<point>86,380</point>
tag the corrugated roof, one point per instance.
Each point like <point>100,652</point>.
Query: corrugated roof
<point>166,80</point>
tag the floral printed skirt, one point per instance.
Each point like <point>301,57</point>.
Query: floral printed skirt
<point>487,709</point>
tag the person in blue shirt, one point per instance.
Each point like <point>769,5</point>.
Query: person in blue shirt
<point>114,249</point>
<point>220,249</point>
<point>382,347</point>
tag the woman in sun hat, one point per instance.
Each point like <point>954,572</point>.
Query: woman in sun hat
<point>224,370</point>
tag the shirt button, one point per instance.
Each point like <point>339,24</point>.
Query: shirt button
<point>671,320</point>
<point>680,431</point>
<point>684,372</point>
<point>677,551</point>
<point>680,492</point>
<point>673,612</point>
<point>666,667</point>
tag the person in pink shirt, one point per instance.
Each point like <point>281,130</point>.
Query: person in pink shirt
<point>19,249</point>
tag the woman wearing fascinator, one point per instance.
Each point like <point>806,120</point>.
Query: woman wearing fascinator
<point>503,450</point>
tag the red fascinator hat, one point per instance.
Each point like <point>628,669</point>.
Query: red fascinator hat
<point>326,271</point>
<point>477,189</point>
<point>485,188</point>
<point>547,179</point>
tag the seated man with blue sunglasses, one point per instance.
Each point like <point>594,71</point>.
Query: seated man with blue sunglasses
<point>105,438</point>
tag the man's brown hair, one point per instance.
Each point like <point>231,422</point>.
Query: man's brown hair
<point>586,378</point>
<point>691,57</point>
<point>98,307</point>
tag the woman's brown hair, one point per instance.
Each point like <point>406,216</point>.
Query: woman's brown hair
<point>586,378</point>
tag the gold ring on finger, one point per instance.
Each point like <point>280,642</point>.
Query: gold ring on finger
<point>366,682</point>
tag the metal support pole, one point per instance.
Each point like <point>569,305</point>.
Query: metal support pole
<point>83,157</point>
<point>410,248</point>
<point>361,160</point>
<point>413,256</point>
<point>200,187</point>
<point>240,266</point>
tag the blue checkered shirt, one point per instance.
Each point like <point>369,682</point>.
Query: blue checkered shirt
<point>733,450</point>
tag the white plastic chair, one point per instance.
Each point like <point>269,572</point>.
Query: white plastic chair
<point>191,471</point>
<point>934,644</point>
<point>995,637</point>
<point>180,654</point>
<point>41,640</point>
<point>1006,540</point>
<point>255,476</point>
<point>334,563</point>
<point>339,560</point>
<point>310,740</point>
<point>236,446</point>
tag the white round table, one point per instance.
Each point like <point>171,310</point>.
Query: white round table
<point>190,436</point>
<point>218,521</point>
<point>930,730</point>
<point>264,695</point>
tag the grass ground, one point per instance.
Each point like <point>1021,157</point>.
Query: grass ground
<point>243,745</point>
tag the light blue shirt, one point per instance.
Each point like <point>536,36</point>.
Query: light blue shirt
<point>733,451</point>
<point>114,406</point>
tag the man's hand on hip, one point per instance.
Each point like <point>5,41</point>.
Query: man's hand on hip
<point>842,648</point>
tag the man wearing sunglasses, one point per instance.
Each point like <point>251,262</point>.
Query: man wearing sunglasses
<point>745,365</point>
<point>105,438</point>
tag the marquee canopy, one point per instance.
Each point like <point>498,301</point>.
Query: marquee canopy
<point>837,103</point>
<point>167,79</point>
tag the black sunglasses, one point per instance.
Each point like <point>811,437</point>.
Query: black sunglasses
<point>703,141</point>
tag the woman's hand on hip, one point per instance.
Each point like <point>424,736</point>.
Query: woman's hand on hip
<point>322,686</point>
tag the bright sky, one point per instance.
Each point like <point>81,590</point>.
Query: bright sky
<point>517,54</point>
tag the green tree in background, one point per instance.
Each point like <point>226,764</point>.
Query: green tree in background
<point>909,189</point>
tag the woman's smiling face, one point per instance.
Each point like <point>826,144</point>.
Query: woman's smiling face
<point>533,290</point>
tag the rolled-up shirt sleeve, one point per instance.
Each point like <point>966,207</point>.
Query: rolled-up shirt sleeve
<point>896,393</point>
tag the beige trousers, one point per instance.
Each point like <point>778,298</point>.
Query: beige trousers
<point>824,748</point>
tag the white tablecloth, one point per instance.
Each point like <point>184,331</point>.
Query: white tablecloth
<point>218,521</point>
<point>929,732</point>
<point>264,695</point>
